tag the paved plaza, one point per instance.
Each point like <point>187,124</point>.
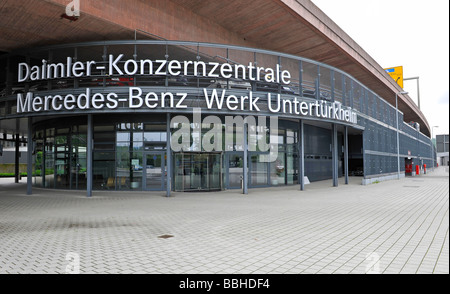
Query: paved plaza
<point>397,226</point>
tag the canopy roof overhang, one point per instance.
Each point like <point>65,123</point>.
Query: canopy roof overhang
<point>291,26</point>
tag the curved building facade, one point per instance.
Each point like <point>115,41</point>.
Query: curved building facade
<point>160,115</point>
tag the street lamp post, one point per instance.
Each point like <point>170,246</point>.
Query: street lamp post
<point>432,153</point>
<point>418,91</point>
<point>398,142</point>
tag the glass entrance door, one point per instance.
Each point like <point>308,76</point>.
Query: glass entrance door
<point>235,169</point>
<point>198,171</point>
<point>154,172</point>
<point>62,162</point>
<point>78,162</point>
<point>198,179</point>
<point>258,171</point>
<point>214,169</point>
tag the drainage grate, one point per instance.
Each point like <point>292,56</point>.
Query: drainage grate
<point>411,186</point>
<point>165,236</point>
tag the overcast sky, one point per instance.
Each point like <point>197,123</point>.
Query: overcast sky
<point>409,33</point>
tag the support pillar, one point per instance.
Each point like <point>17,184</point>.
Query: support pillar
<point>334,154</point>
<point>30,157</point>
<point>301,156</point>
<point>245,171</point>
<point>17,158</point>
<point>346,154</point>
<point>169,159</point>
<point>89,155</point>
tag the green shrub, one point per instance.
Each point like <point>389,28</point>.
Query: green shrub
<point>12,175</point>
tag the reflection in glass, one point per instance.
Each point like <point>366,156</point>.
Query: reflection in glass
<point>198,171</point>
<point>78,164</point>
<point>136,171</point>
<point>155,168</point>
<point>235,170</point>
<point>278,170</point>
<point>258,169</point>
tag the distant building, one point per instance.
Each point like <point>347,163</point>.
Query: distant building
<point>442,149</point>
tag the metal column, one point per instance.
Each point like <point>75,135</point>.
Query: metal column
<point>418,90</point>
<point>346,154</point>
<point>89,155</point>
<point>301,156</point>
<point>29,157</point>
<point>364,145</point>
<point>245,171</point>
<point>398,139</point>
<point>169,159</point>
<point>17,158</point>
<point>334,154</point>
<point>432,153</point>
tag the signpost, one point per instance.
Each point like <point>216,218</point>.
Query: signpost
<point>397,74</point>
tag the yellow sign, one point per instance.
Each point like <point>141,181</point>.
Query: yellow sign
<point>397,74</point>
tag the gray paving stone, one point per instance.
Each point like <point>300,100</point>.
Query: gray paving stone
<point>275,230</point>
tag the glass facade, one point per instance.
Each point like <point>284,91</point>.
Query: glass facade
<point>129,143</point>
<point>131,155</point>
<point>60,157</point>
<point>198,171</point>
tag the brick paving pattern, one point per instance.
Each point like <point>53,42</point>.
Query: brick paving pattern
<point>391,227</point>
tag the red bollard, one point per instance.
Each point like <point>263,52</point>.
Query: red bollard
<point>425,169</point>
<point>417,170</point>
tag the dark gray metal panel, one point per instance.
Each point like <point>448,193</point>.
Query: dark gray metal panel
<point>332,85</point>
<point>318,157</point>
<point>366,162</point>
<point>398,140</point>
